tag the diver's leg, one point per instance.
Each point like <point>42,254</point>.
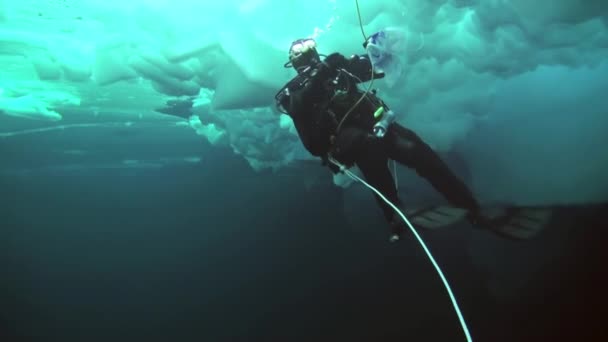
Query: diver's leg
<point>373,163</point>
<point>407,148</point>
<point>353,146</point>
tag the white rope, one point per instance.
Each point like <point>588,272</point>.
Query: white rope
<point>424,247</point>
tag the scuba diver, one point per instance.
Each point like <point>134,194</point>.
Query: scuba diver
<point>335,120</point>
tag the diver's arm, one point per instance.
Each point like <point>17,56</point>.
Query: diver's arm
<point>358,65</point>
<point>361,66</point>
<point>304,107</point>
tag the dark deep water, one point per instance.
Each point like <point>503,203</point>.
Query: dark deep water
<point>216,252</point>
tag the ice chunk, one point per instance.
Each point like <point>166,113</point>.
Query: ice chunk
<point>110,63</point>
<point>234,90</point>
<point>46,68</point>
<point>161,80</point>
<point>28,107</point>
<point>3,11</point>
<point>210,131</point>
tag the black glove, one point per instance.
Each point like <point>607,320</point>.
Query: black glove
<point>379,75</point>
<point>335,61</point>
<point>322,72</point>
<point>329,67</point>
<point>335,169</point>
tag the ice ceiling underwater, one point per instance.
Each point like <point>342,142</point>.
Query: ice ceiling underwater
<point>513,86</point>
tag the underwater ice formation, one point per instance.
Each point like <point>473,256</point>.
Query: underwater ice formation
<point>481,77</point>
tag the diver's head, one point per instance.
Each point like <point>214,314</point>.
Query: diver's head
<point>303,54</point>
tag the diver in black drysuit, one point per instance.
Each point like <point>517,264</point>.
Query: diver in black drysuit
<point>317,100</point>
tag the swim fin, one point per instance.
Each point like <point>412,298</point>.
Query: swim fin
<point>435,217</point>
<point>518,223</point>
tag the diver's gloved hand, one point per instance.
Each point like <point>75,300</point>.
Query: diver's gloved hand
<point>335,169</point>
<point>335,60</point>
<point>329,67</point>
<point>397,226</point>
<point>323,72</point>
<point>379,75</point>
